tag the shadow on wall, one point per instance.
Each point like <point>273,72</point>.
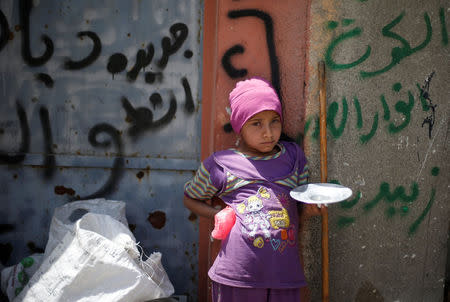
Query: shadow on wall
<point>447,268</point>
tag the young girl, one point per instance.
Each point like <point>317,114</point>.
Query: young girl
<point>259,259</point>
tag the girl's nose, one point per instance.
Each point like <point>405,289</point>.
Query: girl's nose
<point>267,131</point>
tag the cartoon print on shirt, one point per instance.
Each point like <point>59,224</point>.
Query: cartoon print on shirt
<point>258,242</point>
<point>240,208</point>
<point>257,223</point>
<point>287,238</point>
<point>263,193</point>
<point>255,219</point>
<point>279,219</point>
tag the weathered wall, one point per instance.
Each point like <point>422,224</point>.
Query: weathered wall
<point>388,71</point>
<point>106,105</point>
<point>244,39</point>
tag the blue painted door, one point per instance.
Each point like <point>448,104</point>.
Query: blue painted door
<point>101,99</point>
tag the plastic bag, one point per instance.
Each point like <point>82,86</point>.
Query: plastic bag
<point>97,260</point>
<point>223,222</point>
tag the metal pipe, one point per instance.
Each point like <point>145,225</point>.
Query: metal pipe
<point>323,177</point>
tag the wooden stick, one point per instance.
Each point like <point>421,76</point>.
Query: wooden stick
<point>323,178</point>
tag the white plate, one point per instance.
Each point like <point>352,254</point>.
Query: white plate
<point>321,193</point>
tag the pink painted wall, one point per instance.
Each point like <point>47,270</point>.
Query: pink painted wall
<point>267,39</point>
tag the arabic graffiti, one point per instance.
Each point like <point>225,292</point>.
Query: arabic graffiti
<point>143,59</point>
<point>25,7</point>
<point>268,26</point>
<point>234,72</point>
<point>398,53</point>
<point>413,227</point>
<point>403,108</point>
<point>398,202</point>
<point>330,50</point>
<point>398,193</point>
<point>49,161</point>
<point>91,58</point>
<point>46,79</point>
<point>140,119</point>
<point>118,165</point>
<point>226,62</point>
<point>19,156</point>
<point>179,32</point>
<point>332,112</point>
<point>117,63</point>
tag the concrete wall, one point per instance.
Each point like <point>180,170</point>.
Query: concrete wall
<point>387,71</point>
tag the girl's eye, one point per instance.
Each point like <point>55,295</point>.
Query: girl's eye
<point>275,121</point>
<point>256,123</point>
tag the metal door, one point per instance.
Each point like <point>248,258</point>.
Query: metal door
<point>101,99</point>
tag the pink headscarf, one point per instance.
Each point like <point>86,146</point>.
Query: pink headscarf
<point>250,97</point>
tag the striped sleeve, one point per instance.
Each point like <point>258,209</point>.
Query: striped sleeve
<point>200,187</point>
<point>303,177</point>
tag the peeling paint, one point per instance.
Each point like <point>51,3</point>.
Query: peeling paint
<point>140,174</point>
<point>61,190</point>
<point>157,219</point>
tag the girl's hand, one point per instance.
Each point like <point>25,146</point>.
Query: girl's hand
<point>310,210</point>
<point>200,207</point>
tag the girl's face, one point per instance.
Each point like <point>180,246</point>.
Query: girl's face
<point>260,134</point>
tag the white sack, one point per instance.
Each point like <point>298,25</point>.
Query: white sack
<point>153,267</point>
<point>96,261</point>
<point>65,216</point>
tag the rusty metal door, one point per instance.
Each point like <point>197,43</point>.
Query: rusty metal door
<point>101,99</point>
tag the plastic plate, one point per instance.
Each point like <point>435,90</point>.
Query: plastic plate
<point>321,193</point>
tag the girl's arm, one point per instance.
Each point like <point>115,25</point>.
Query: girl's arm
<point>200,207</point>
<point>306,211</point>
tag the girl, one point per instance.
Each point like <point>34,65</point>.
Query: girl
<point>259,259</point>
